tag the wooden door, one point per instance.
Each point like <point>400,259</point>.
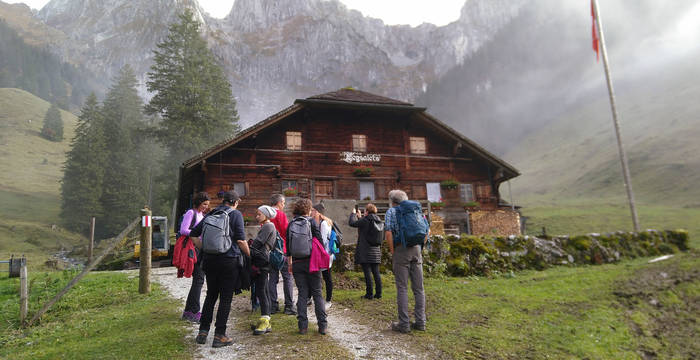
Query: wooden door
<point>323,189</point>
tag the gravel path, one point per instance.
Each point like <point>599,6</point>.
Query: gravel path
<point>362,341</point>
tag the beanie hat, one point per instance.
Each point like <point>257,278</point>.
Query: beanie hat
<point>320,208</point>
<point>268,211</point>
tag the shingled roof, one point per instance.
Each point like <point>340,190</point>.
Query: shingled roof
<point>353,95</point>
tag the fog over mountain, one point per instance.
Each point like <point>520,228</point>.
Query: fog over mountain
<point>504,69</point>
<point>541,65</point>
<point>276,51</point>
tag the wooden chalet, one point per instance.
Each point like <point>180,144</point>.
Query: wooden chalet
<point>350,144</point>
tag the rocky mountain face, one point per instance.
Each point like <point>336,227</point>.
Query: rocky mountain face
<point>275,51</point>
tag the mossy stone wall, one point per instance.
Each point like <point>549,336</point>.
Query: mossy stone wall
<point>467,255</point>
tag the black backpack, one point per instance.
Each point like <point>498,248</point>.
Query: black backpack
<point>299,238</point>
<point>375,232</point>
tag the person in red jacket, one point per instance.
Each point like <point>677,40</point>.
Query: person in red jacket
<point>278,201</point>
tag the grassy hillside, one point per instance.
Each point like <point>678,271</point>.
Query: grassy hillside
<point>30,175</point>
<point>571,169</point>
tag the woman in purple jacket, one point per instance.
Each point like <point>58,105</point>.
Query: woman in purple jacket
<point>191,218</point>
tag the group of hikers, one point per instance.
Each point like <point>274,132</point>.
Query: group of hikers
<point>302,249</point>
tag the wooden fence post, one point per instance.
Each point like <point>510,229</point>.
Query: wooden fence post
<point>91,244</point>
<point>115,241</point>
<point>23,292</point>
<point>145,256</point>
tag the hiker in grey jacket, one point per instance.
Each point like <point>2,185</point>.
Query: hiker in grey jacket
<point>265,240</point>
<point>366,255</point>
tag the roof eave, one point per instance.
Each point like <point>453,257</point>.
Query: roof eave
<point>360,105</point>
<point>509,171</point>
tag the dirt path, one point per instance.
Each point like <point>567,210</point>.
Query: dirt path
<point>363,342</point>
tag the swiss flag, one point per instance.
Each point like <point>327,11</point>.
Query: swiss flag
<point>594,32</point>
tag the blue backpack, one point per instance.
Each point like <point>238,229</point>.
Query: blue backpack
<point>276,254</point>
<point>413,228</point>
<point>333,245</point>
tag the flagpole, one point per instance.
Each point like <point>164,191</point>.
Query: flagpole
<point>620,148</point>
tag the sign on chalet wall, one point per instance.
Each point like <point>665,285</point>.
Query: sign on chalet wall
<point>353,157</point>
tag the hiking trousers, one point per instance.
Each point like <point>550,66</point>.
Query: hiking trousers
<point>408,263</point>
<point>193,297</point>
<point>308,283</point>
<point>287,287</point>
<point>221,275</point>
<point>261,292</point>
<point>372,270</point>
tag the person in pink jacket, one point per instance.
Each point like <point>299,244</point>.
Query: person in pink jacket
<point>191,218</point>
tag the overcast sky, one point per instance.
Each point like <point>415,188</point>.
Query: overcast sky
<point>392,12</point>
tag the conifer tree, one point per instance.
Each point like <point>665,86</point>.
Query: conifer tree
<point>53,124</point>
<point>123,186</point>
<point>81,187</point>
<point>191,93</point>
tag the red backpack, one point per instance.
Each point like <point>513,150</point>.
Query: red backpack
<point>184,254</point>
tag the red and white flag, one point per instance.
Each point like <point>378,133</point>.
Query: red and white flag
<point>596,42</point>
<point>145,221</point>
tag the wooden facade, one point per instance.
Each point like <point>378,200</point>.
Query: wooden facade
<point>347,144</point>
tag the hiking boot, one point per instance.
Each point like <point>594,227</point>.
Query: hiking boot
<point>303,331</point>
<point>201,337</point>
<point>377,296</point>
<point>322,330</point>
<point>416,326</point>
<point>368,297</point>
<point>188,316</point>
<point>289,311</point>
<point>221,340</point>
<point>398,328</point>
<point>196,317</point>
<point>263,326</point>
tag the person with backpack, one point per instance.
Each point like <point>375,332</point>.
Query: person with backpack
<point>300,233</point>
<point>261,246</point>
<point>191,218</point>
<point>370,233</point>
<point>326,227</point>
<point>406,230</point>
<point>220,236</point>
<point>277,201</point>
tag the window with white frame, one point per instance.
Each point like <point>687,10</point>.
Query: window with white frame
<point>417,144</point>
<point>239,187</point>
<point>359,143</point>
<point>293,140</point>
<point>433,190</point>
<point>366,190</point>
<point>466,192</point>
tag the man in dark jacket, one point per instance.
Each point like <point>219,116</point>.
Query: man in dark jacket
<point>222,271</point>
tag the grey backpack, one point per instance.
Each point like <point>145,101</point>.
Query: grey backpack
<point>299,239</point>
<point>216,238</point>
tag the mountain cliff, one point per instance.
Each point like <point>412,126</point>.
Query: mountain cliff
<point>275,51</point>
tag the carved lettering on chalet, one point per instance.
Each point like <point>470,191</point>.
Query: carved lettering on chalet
<point>353,157</point>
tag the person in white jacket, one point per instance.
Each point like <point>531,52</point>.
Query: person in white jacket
<point>317,213</point>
